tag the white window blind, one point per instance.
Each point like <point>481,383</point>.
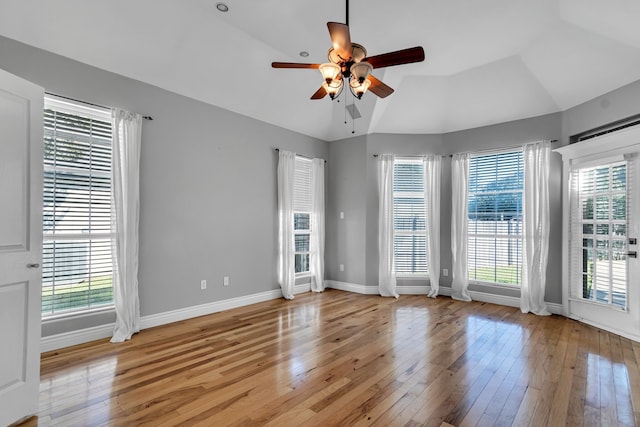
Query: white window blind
<point>76,259</point>
<point>409,243</point>
<point>599,229</point>
<point>495,218</point>
<point>302,185</point>
<point>302,205</point>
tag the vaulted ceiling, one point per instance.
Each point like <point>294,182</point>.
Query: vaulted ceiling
<point>487,61</point>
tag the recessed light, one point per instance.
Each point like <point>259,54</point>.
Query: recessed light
<point>304,53</point>
<point>222,7</point>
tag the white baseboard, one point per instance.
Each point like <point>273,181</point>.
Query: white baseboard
<point>373,290</point>
<point>632,337</point>
<point>67,339</point>
<point>351,287</point>
<point>503,300</point>
<point>82,336</point>
<point>413,290</point>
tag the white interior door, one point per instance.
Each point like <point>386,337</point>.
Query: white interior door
<point>601,230</point>
<point>21,109</point>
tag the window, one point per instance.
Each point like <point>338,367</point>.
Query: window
<point>600,218</point>
<point>409,242</point>
<point>76,258</point>
<point>302,213</point>
<point>495,218</point>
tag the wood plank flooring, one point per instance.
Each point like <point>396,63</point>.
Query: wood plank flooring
<point>344,359</point>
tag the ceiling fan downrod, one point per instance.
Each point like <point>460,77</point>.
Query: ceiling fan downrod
<point>347,14</point>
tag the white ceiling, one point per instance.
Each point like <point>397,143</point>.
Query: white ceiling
<point>487,61</point>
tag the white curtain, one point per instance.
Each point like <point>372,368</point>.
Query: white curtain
<point>286,242</point>
<point>386,269</point>
<point>459,189</point>
<point>125,199</point>
<point>432,171</point>
<point>535,219</point>
<point>316,243</point>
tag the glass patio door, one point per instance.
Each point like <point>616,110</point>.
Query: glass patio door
<point>602,284</point>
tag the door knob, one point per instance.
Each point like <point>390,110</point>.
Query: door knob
<point>35,265</point>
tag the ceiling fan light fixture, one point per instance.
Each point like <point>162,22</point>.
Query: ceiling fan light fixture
<point>329,71</point>
<point>360,71</point>
<point>357,88</point>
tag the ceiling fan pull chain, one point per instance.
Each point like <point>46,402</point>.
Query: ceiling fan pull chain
<point>353,120</point>
<point>345,107</point>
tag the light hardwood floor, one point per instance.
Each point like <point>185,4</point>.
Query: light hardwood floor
<point>339,358</point>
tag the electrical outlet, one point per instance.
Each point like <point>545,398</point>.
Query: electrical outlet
<point>445,272</point>
<point>341,215</point>
<point>341,267</point>
<point>225,281</point>
<point>203,284</point>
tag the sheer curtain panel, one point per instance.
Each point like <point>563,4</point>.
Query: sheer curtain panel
<point>125,193</point>
<point>459,215</point>
<point>432,171</point>
<point>316,254</point>
<point>535,221</point>
<point>286,242</point>
<point>386,269</point>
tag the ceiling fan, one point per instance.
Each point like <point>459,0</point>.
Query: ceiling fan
<point>349,64</point>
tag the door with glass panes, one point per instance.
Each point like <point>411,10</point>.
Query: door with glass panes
<point>602,278</point>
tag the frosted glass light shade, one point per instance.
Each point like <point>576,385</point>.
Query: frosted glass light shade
<point>334,88</point>
<point>329,71</point>
<point>357,88</point>
<point>360,71</point>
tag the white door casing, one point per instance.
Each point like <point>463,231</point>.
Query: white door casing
<point>595,152</point>
<point>21,130</point>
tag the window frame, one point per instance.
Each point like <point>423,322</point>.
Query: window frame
<point>497,237</point>
<point>97,175</point>
<point>418,275</point>
<point>302,232</point>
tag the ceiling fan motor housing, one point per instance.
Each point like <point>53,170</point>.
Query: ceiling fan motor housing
<point>358,53</point>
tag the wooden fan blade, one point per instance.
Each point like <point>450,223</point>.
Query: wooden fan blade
<point>399,57</point>
<point>293,65</point>
<point>341,39</point>
<point>320,93</point>
<point>378,87</point>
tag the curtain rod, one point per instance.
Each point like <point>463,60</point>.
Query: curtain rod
<point>421,155</point>
<point>300,155</point>
<point>89,103</point>
<point>484,151</point>
<point>488,150</point>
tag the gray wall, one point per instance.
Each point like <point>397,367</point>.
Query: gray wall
<point>347,192</point>
<point>207,186</point>
<point>503,135</point>
<point>208,189</point>
<point>615,105</point>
